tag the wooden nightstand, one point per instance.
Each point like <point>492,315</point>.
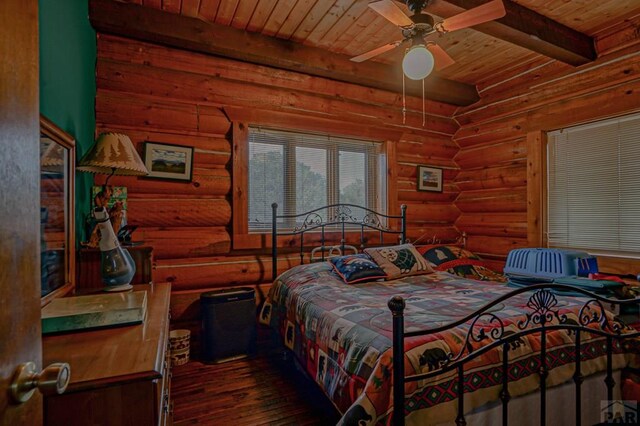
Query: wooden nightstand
<point>119,375</point>
<point>88,266</point>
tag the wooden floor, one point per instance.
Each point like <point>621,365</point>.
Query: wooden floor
<point>264,390</point>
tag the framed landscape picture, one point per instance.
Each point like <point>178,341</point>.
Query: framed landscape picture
<point>166,161</point>
<point>429,179</point>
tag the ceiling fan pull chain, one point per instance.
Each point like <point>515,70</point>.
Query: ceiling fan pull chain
<point>404,103</point>
<point>423,108</point>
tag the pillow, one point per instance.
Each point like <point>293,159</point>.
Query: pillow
<point>399,261</point>
<point>355,268</point>
<point>459,261</point>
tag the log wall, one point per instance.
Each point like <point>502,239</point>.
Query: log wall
<point>154,93</point>
<point>541,95</point>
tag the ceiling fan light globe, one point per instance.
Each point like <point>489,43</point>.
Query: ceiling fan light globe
<point>417,63</point>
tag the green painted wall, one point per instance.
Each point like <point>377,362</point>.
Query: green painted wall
<point>67,81</point>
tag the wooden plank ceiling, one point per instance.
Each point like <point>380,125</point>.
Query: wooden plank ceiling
<point>349,27</point>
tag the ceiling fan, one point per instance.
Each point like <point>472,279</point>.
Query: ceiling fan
<point>423,55</point>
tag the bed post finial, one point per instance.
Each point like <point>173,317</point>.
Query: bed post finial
<point>274,241</point>
<point>397,305</point>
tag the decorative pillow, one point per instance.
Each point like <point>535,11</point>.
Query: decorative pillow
<point>399,261</point>
<point>459,261</point>
<point>355,268</point>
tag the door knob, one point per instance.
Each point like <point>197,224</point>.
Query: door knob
<point>53,380</point>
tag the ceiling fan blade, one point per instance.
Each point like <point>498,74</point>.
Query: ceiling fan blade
<point>478,15</point>
<point>441,58</point>
<point>375,52</point>
<point>391,11</point>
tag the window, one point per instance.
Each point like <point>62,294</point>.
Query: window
<point>593,187</point>
<point>302,172</point>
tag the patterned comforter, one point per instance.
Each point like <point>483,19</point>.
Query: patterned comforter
<point>341,334</point>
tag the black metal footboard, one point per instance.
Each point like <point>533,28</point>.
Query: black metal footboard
<point>541,316</point>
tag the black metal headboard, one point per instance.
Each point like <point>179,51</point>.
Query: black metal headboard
<point>342,217</point>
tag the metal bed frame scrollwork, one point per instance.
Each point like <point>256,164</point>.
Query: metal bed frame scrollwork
<point>339,215</point>
<point>541,317</point>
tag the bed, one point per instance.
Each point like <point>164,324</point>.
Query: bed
<point>448,330</point>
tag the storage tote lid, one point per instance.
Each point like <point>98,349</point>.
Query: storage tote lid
<point>227,295</point>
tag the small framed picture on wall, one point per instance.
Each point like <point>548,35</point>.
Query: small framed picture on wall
<point>164,161</point>
<point>429,179</point>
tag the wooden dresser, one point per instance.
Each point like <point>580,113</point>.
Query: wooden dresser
<point>119,375</point>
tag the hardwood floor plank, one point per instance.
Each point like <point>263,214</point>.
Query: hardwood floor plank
<point>264,390</point>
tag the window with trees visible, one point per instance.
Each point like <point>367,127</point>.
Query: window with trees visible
<point>593,187</point>
<point>301,172</point>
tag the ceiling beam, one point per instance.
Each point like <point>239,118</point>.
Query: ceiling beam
<point>529,29</point>
<point>156,26</point>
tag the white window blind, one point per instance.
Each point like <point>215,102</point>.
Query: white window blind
<point>302,172</point>
<point>593,187</point>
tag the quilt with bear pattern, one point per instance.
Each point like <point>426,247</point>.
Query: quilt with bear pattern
<point>341,335</point>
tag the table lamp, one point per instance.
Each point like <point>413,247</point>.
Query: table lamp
<point>116,265</point>
<point>112,154</point>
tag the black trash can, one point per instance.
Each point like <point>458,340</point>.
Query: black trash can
<point>228,324</point>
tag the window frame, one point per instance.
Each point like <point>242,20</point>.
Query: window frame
<point>537,208</point>
<point>333,149</point>
<point>243,118</point>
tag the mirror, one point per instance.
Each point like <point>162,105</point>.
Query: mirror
<point>57,228</point>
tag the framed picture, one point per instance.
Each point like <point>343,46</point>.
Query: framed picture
<point>166,161</point>
<point>429,179</point>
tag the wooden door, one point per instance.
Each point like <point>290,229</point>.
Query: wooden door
<point>20,339</point>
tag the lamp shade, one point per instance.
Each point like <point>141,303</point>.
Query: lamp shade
<point>113,153</point>
<point>418,62</point>
<point>52,156</point>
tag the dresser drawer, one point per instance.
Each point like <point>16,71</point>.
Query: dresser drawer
<point>119,375</point>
